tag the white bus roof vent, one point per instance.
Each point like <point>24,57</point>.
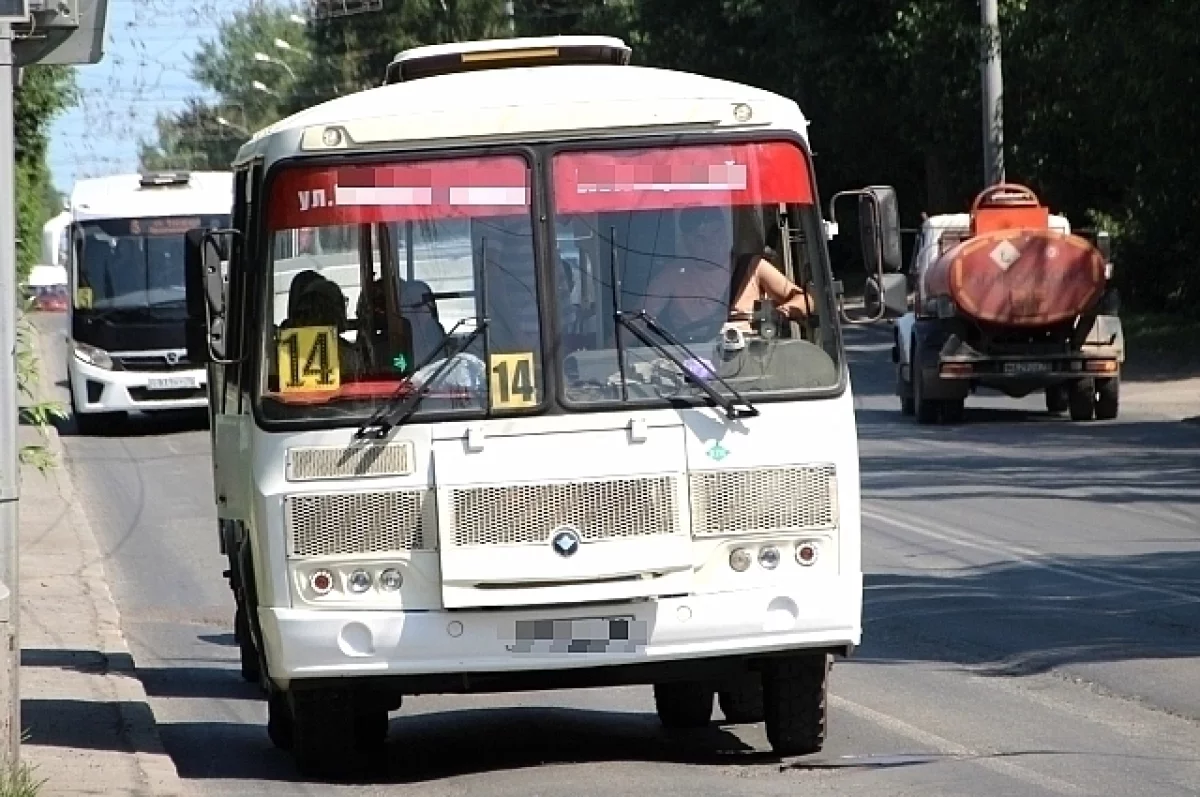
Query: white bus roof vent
<point>472,56</point>
<point>161,179</point>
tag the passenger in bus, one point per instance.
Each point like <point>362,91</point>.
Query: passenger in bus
<point>418,306</point>
<point>695,294</point>
<point>299,283</point>
<point>322,303</point>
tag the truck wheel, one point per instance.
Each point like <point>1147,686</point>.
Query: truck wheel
<point>905,391</point>
<point>795,703</point>
<point>925,409</point>
<point>324,742</point>
<point>1056,399</point>
<point>1082,399</point>
<point>1108,394</point>
<point>683,705</point>
<point>742,702</point>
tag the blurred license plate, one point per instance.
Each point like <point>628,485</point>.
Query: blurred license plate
<point>579,635</point>
<point>171,382</point>
<point>1027,368</point>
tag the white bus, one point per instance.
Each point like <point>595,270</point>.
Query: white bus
<point>126,350</point>
<point>503,432</point>
<point>55,239</point>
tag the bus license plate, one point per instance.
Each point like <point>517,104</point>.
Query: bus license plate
<point>579,635</point>
<point>1026,368</point>
<point>171,383</point>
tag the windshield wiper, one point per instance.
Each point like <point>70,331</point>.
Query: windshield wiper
<point>402,403</point>
<point>731,409</point>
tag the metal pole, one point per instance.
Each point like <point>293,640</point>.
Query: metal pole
<point>10,651</point>
<point>993,99</point>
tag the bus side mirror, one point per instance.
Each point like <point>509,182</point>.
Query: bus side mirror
<point>883,258</point>
<point>205,296</point>
<point>893,297</point>
<point>879,229</point>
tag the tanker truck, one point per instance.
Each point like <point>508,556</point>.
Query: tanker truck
<point>1006,297</point>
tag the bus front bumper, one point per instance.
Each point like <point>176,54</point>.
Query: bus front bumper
<point>102,390</point>
<point>307,643</point>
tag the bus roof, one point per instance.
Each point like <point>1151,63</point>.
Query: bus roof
<point>524,102</point>
<point>122,196</point>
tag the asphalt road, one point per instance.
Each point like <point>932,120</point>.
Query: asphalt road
<point>1032,628</point>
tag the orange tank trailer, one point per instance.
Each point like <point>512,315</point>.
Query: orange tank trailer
<point>1014,270</point>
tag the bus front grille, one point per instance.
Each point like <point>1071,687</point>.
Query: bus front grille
<point>527,514</point>
<point>336,524</point>
<point>764,500</point>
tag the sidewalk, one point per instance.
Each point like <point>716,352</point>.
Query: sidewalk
<point>89,726</point>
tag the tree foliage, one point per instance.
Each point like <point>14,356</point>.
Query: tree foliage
<point>1097,116</point>
<point>45,92</point>
<point>250,93</point>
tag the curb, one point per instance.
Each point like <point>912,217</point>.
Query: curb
<point>138,729</point>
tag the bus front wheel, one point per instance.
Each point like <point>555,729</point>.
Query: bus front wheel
<point>795,703</point>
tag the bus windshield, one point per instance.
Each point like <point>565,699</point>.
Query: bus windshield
<point>134,263</point>
<point>377,276</point>
<point>694,237</point>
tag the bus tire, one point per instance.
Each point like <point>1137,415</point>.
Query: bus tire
<point>251,671</point>
<point>795,703</point>
<point>742,702</point>
<point>324,741</point>
<point>279,720</point>
<point>684,704</point>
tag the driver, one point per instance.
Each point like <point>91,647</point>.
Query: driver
<point>691,296</point>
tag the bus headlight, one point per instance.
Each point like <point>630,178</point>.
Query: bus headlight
<point>92,356</point>
<point>390,580</point>
<point>740,559</point>
<point>768,557</point>
<point>359,582</point>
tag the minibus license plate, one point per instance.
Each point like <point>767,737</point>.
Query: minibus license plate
<point>579,635</point>
<point>171,383</point>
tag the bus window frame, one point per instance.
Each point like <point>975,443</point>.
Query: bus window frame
<point>807,224</point>
<point>540,158</point>
<point>536,214</point>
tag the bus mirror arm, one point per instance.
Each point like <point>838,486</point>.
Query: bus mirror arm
<point>879,238</point>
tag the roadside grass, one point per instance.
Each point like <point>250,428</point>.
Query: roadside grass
<point>20,782</point>
<point>1160,333</point>
<point>1161,345</point>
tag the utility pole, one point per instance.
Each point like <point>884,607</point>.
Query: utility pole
<point>993,95</point>
<point>10,476</point>
<point>68,32</point>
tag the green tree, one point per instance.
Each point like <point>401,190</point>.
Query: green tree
<point>351,53</point>
<point>45,92</point>
<point>253,79</point>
